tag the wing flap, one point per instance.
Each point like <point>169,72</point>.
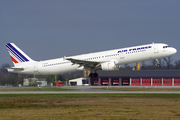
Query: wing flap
<point>85,63</point>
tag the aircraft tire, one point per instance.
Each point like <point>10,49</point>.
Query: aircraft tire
<point>95,75</point>
<point>158,65</point>
<point>91,75</point>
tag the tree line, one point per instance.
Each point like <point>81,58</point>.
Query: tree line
<point>166,63</point>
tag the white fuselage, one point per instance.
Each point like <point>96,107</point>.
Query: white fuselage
<point>120,56</point>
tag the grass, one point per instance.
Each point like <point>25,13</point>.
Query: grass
<point>35,89</point>
<point>90,106</point>
<point>118,88</point>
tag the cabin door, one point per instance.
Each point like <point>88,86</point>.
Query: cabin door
<point>121,55</point>
<point>156,49</point>
<point>35,67</point>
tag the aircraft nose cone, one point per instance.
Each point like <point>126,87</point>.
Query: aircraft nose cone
<point>174,51</point>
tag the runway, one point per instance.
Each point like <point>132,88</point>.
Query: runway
<point>103,90</point>
<point>90,92</point>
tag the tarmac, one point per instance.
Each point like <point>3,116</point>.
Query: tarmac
<point>86,92</point>
<point>99,90</point>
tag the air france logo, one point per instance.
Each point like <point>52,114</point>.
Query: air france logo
<point>134,49</point>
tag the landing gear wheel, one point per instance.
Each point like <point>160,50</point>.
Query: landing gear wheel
<point>91,75</point>
<point>158,65</point>
<point>95,75</point>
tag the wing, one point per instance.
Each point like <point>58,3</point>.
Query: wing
<point>85,63</point>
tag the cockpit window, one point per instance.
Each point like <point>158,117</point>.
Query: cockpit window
<point>166,46</point>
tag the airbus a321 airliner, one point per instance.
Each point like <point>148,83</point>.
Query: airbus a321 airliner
<point>105,60</point>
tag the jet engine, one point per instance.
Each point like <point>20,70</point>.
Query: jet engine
<point>109,66</point>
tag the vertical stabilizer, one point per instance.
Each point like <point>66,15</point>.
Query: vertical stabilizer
<point>16,54</point>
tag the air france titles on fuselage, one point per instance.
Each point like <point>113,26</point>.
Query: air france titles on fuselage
<point>134,49</point>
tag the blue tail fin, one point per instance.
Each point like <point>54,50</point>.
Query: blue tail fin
<point>16,54</point>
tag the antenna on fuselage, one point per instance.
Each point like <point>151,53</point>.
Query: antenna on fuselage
<point>64,58</point>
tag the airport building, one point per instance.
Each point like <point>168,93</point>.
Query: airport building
<point>79,81</point>
<point>34,82</point>
<point>137,78</point>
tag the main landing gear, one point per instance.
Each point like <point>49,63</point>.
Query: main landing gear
<point>95,75</point>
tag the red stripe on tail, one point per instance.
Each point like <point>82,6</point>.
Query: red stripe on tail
<point>15,61</point>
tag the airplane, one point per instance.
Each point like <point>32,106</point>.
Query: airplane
<point>106,60</point>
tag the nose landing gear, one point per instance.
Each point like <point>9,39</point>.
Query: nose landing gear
<point>158,65</point>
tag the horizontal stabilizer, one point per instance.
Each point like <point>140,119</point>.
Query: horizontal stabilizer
<point>15,68</point>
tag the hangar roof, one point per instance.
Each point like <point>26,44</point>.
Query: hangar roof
<point>156,73</point>
<point>141,73</point>
<point>122,73</point>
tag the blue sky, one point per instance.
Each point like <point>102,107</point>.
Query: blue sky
<point>46,29</point>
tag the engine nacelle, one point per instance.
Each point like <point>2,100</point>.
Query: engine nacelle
<point>109,66</point>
